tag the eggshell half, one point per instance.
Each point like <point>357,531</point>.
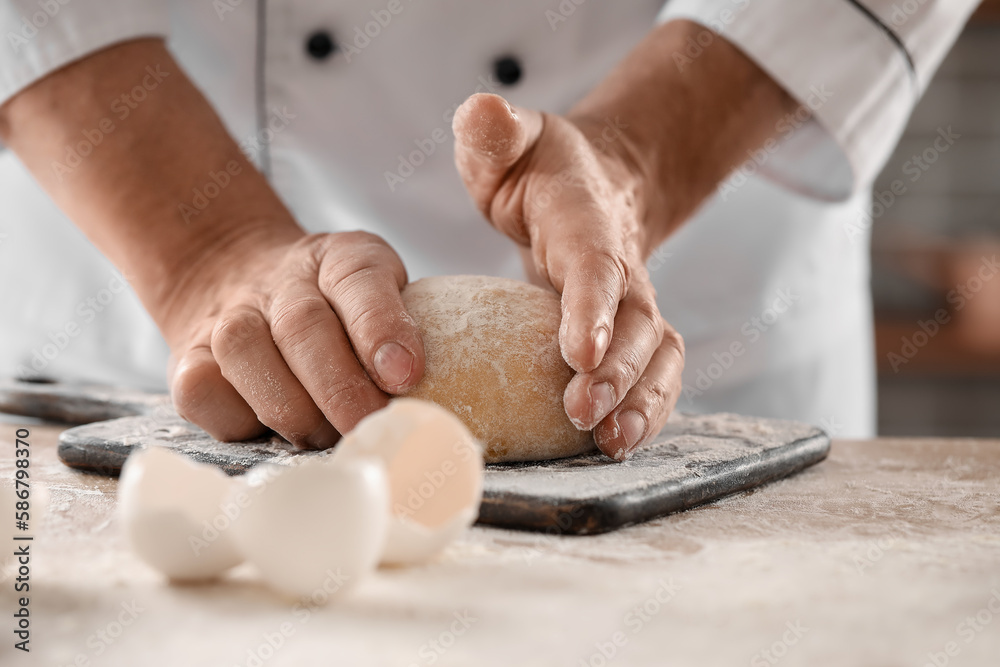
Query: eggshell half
<point>435,469</point>
<point>314,529</point>
<point>176,515</point>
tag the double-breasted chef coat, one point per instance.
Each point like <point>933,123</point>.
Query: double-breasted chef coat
<point>346,105</point>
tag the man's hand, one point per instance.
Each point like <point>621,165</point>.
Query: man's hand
<point>304,337</point>
<point>561,190</point>
<point>267,326</point>
<point>592,194</point>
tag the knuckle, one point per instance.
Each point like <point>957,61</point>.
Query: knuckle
<point>364,316</point>
<point>608,267</point>
<point>292,321</point>
<point>342,393</point>
<point>512,225</point>
<point>357,303</point>
<point>235,430</point>
<point>195,390</point>
<point>346,276</point>
<point>237,330</point>
<point>317,242</point>
<point>322,243</point>
<point>656,394</point>
<point>295,420</point>
<point>192,385</point>
<point>630,367</point>
<point>657,391</point>
<point>364,295</point>
<point>651,318</point>
<point>356,251</point>
<point>673,339</point>
<point>361,238</point>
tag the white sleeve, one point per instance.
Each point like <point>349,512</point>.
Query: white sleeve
<point>40,36</point>
<point>859,65</point>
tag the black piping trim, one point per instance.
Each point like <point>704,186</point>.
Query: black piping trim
<point>260,93</point>
<point>891,35</point>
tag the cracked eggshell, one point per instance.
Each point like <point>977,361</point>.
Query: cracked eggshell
<point>435,469</point>
<point>315,527</point>
<point>174,513</point>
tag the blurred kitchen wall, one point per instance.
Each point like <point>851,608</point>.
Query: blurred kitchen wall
<point>935,244</point>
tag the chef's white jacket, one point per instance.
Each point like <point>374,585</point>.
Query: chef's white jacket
<point>768,283</point>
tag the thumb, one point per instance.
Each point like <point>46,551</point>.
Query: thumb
<point>491,137</point>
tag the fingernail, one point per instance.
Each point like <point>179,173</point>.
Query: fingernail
<point>324,437</point>
<point>393,363</point>
<point>633,426</point>
<point>601,339</point>
<point>602,401</point>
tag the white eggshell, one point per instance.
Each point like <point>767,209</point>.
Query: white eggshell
<point>411,542</point>
<point>435,469</point>
<point>176,515</point>
<point>315,526</point>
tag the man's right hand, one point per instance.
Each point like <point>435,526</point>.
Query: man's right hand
<point>268,326</point>
<point>304,337</point>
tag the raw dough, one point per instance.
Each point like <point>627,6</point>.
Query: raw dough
<point>493,359</point>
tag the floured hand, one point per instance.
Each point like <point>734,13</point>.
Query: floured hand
<point>567,191</point>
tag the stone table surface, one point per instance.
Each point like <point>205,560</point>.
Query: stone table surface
<point>887,553</point>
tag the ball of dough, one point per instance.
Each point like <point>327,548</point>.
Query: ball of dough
<point>493,359</point>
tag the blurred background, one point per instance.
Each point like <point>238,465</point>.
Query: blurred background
<point>935,235</point>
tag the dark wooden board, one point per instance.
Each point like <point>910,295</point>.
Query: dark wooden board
<point>77,403</point>
<point>694,460</point>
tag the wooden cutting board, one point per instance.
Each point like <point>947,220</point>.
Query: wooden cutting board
<point>695,459</point>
